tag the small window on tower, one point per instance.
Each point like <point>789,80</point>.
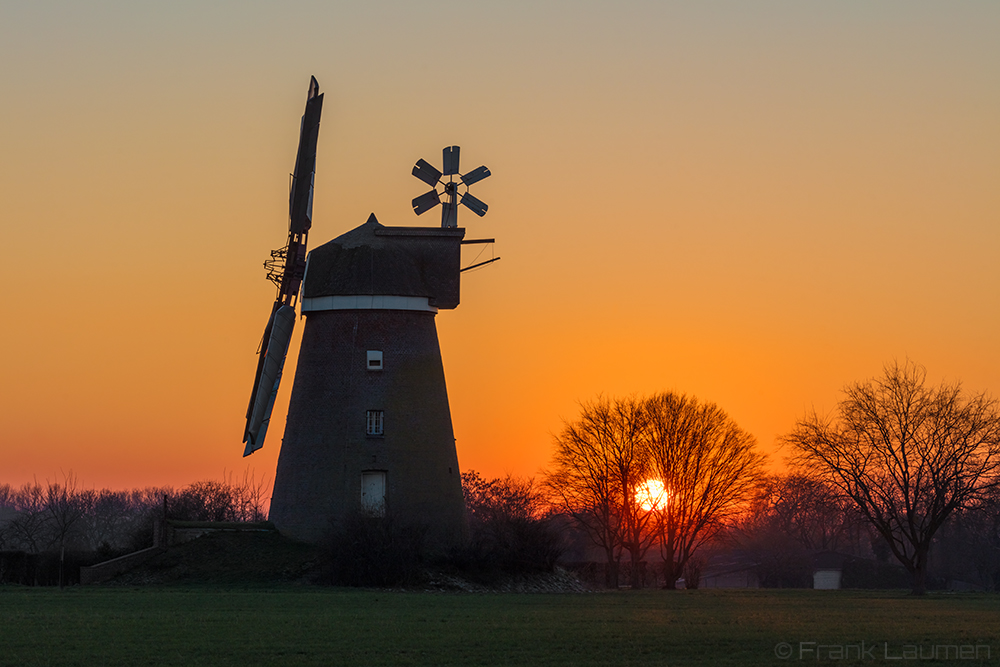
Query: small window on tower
<point>375,419</point>
<point>374,360</point>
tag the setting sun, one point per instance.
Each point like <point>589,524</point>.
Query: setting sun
<point>651,495</point>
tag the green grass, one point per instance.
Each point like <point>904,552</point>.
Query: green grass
<point>315,626</point>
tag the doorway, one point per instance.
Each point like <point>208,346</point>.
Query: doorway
<point>373,492</point>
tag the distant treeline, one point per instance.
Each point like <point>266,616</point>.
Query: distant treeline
<point>661,490</point>
<point>59,516</point>
<point>517,526</point>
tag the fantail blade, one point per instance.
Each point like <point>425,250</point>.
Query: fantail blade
<point>451,160</point>
<point>426,202</point>
<point>475,175</point>
<point>426,173</point>
<point>475,205</point>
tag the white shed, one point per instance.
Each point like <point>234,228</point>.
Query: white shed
<point>826,580</point>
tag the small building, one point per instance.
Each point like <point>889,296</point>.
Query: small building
<point>728,568</point>
<point>730,575</point>
<point>828,569</point>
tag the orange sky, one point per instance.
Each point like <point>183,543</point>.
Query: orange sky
<point>755,205</point>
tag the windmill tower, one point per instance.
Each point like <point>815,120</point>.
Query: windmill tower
<point>369,425</point>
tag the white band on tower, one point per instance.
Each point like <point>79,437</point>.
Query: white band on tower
<point>367,302</point>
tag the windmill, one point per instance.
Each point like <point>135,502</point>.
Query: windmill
<point>286,269</point>
<point>369,424</point>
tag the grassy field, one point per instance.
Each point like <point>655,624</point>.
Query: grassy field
<point>314,626</point>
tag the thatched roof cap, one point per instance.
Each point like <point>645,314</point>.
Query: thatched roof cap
<point>397,261</point>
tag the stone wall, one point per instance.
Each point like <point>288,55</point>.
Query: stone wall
<point>110,569</point>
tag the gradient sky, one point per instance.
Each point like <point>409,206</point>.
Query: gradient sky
<point>755,203</point>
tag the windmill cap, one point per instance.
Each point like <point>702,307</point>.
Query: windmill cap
<point>373,259</point>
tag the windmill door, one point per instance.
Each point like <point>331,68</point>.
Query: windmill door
<point>373,492</point>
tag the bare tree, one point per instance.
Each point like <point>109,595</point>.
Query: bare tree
<point>788,519</point>
<point>8,512</point>
<point>27,529</point>
<point>510,524</point>
<point>600,461</point>
<point>708,466</point>
<point>807,510</point>
<point>249,496</point>
<point>907,454</point>
<point>111,517</point>
<point>502,499</point>
<point>64,507</point>
<point>975,534</point>
<point>206,500</point>
<point>6,495</point>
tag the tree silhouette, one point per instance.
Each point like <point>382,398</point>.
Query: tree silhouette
<point>788,519</point>
<point>510,525</point>
<point>907,454</point>
<point>600,461</point>
<point>28,527</point>
<point>603,460</point>
<point>708,466</point>
<point>64,509</point>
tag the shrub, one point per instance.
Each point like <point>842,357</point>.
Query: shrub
<point>510,529</point>
<point>367,550</point>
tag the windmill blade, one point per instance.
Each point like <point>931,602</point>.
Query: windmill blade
<point>426,202</point>
<point>475,205</point>
<point>475,175</point>
<point>451,160</point>
<point>264,340</point>
<point>426,173</point>
<point>267,383</point>
<point>300,200</point>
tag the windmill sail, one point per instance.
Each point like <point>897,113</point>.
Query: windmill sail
<point>265,339</point>
<point>301,198</point>
<point>288,276</point>
<point>273,358</point>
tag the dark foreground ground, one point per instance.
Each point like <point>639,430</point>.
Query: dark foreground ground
<point>297,624</point>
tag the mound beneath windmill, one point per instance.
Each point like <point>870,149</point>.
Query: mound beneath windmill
<point>222,554</point>
<point>227,558</point>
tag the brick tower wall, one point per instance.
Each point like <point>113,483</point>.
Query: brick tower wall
<point>325,449</point>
